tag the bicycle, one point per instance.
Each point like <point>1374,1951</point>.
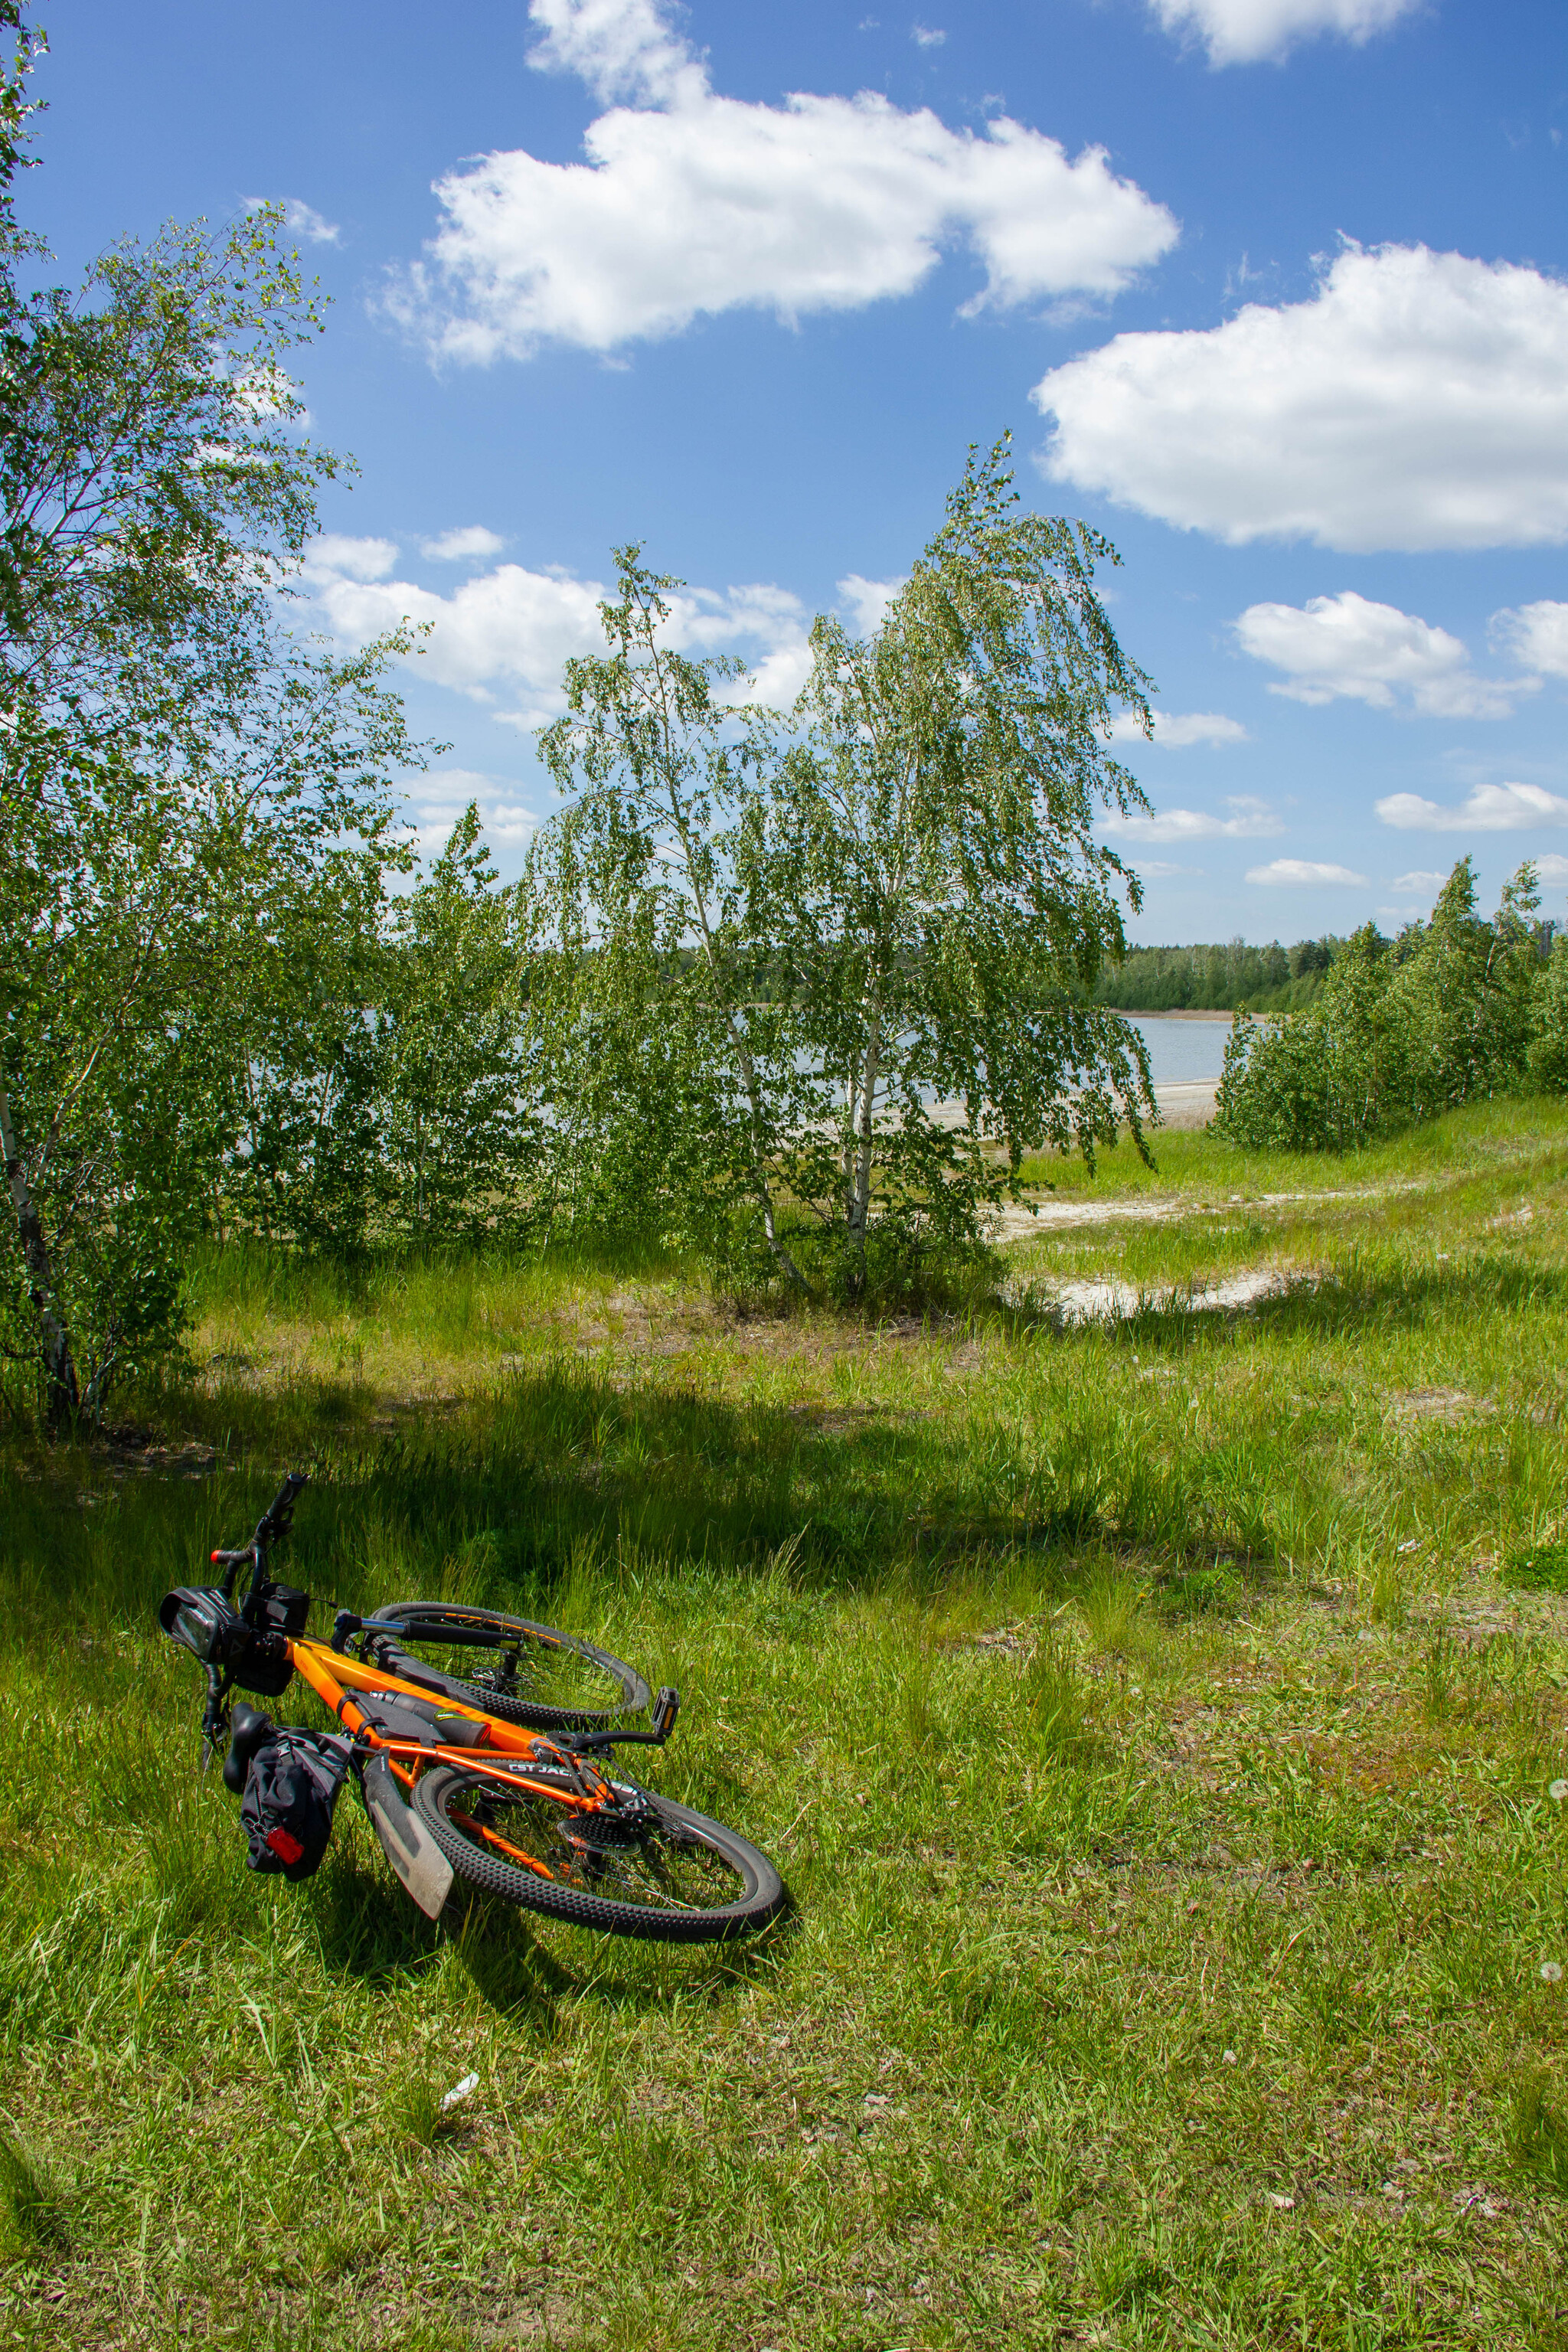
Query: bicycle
<point>490,1773</point>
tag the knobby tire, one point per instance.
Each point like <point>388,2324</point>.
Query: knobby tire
<point>445,1794</point>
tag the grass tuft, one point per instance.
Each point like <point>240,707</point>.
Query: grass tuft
<point>36,2203</point>
<point>1537,2131</point>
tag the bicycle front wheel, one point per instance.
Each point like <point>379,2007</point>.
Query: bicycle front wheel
<point>649,1868</point>
<point>524,1672</point>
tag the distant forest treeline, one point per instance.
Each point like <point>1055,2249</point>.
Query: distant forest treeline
<point>1218,979</point>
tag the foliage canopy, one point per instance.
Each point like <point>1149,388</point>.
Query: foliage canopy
<point>853,954</point>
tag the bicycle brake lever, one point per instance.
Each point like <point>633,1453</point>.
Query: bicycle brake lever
<point>344,1623</point>
<point>214,1719</point>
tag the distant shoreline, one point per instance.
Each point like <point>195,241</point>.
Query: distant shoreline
<point>1142,1013</point>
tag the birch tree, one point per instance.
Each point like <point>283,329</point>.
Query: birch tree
<point>867,938</point>
<point>669,1043</point>
<point>941,904</point>
<point>175,773</point>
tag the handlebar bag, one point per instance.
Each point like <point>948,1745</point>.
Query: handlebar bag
<point>290,1794</point>
<point>275,1608</point>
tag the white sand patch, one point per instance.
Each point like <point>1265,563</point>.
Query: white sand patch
<point>1104,1299</point>
<point>1017,1222</point>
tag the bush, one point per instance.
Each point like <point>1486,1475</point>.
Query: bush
<point>1453,1009</point>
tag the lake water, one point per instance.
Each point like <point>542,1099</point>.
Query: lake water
<point>1184,1049</point>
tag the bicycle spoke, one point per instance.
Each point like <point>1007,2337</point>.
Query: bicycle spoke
<point>642,1866</point>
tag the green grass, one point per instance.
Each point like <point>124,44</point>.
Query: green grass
<point>1155,1724</point>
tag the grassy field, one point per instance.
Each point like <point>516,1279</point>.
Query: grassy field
<point>1156,1721</point>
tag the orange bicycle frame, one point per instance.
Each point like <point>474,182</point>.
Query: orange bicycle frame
<point>334,1677</point>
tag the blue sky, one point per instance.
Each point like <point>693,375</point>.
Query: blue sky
<point>1271,291</point>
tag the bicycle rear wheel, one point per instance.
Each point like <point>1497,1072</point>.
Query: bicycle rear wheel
<point>524,1672</point>
<point>649,1868</point>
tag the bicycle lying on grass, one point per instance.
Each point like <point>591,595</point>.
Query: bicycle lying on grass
<point>476,1740</point>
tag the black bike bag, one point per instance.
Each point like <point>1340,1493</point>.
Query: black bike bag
<point>290,1793</point>
<point>207,1622</point>
<point>277,1608</point>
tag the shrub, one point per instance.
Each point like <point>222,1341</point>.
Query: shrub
<point>1453,1009</point>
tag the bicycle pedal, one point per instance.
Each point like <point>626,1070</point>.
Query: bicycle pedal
<point>666,1707</point>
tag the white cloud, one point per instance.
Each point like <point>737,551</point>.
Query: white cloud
<point>1293,871</point>
<point>621,49</point>
<point>691,203</point>
<point>1552,867</point>
<point>1536,634</point>
<point>1248,820</point>
<point>866,602</point>
<point>1489,808</point>
<point>463,546</point>
<point>769,627</point>
<point>1419,400</point>
<point>510,629</point>
<point>300,217</point>
<point>1244,32</point>
<point>438,799</point>
<point>1346,648</point>
<point>1175,730</point>
<point>927,36</point>
<point>507,628</point>
<point>332,555</point>
<point>1420,885</point>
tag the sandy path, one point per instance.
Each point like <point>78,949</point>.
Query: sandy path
<point>1014,1224</point>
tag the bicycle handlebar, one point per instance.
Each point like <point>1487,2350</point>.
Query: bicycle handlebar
<point>275,1521</point>
<point>271,1529</point>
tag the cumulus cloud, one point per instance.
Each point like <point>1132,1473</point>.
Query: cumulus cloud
<point>1175,730</point>
<point>1296,870</point>
<point>332,555</point>
<point>471,544</point>
<point>438,800</point>
<point>691,203</point>
<point>505,629</point>
<point>1248,819</point>
<point>1245,32</point>
<point>927,36</point>
<point>621,49</point>
<point>1489,808</point>
<point>1419,400</point>
<point>1536,634</point>
<point>506,634</point>
<point>1420,885</point>
<point>1347,648</point>
<point>864,602</point>
<point>300,217</point>
<point>1552,867</point>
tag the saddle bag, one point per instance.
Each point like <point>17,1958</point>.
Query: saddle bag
<point>291,1789</point>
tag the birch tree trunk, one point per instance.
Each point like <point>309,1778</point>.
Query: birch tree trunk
<point>62,1395</point>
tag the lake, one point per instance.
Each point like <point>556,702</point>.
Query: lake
<point>1184,1049</point>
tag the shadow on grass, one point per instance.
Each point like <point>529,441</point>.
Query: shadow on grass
<point>1358,1298</point>
<point>509,1497</point>
<point>521,1967</point>
<point>565,1476</point>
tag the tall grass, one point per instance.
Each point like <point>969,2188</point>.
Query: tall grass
<point>1156,1746</point>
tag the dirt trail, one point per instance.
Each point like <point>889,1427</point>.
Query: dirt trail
<point>1012,1224</point>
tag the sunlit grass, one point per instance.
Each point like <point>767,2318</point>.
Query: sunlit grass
<point>1156,1723</point>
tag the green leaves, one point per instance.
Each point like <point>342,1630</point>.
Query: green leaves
<point>813,930</point>
<point>1402,1031</point>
